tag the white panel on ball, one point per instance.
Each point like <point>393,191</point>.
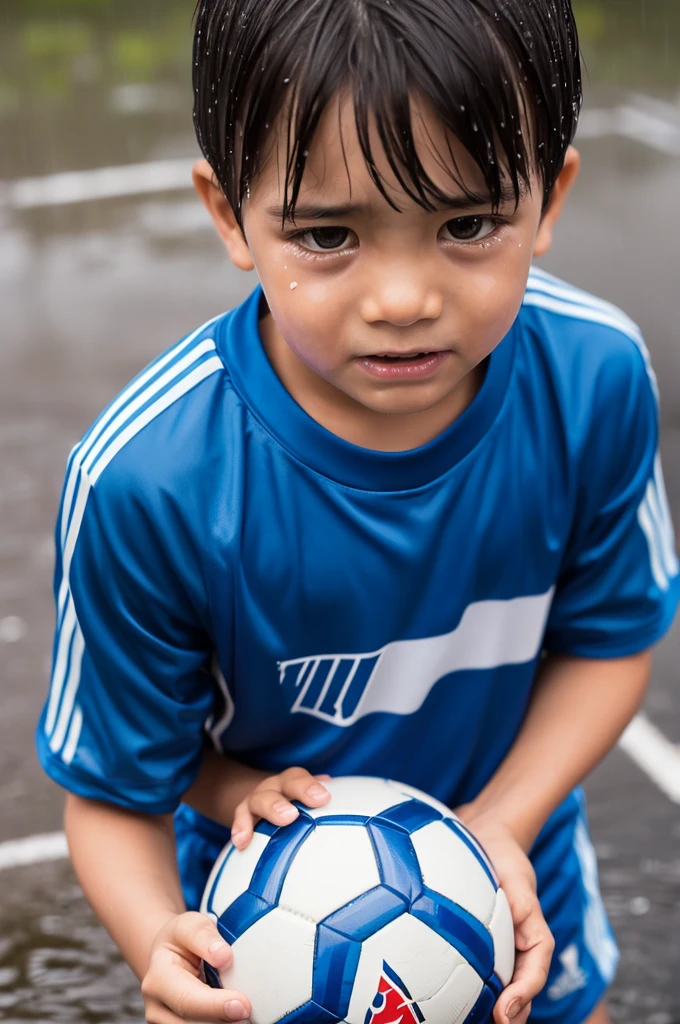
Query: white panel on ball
<point>503,932</point>
<point>273,962</point>
<point>455,999</point>
<point>334,865</point>
<point>411,791</point>
<point>421,959</point>
<point>236,876</point>
<point>450,868</point>
<point>353,794</point>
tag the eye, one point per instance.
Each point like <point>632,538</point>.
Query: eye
<point>329,239</point>
<point>468,229</point>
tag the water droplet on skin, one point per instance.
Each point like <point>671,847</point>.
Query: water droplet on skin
<point>293,285</point>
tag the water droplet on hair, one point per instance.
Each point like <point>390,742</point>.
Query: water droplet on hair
<point>286,81</point>
<point>475,126</point>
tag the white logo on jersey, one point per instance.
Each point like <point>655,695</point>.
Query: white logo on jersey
<point>572,978</point>
<point>341,688</point>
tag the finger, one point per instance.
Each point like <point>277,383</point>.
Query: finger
<point>299,784</point>
<point>172,980</point>
<point>535,946</point>
<point>521,1017</point>
<point>243,825</point>
<point>192,1000</point>
<point>272,805</point>
<point>322,778</point>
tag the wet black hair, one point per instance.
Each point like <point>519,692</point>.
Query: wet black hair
<point>504,76</point>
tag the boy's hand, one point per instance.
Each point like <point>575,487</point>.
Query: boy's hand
<point>173,989</point>
<point>533,940</point>
<point>271,800</point>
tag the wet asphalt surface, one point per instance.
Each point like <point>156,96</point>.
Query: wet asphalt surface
<point>88,295</point>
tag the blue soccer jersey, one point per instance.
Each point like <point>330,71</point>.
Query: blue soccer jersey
<point>230,572</point>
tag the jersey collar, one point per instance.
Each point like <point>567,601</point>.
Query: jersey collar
<point>240,345</point>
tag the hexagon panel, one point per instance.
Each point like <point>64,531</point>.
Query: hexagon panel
<point>451,869</point>
<point>417,794</point>
<point>417,955</point>
<point>357,795</point>
<point>332,867</point>
<point>454,1000</point>
<point>234,875</point>
<point>273,963</point>
<point>503,933</point>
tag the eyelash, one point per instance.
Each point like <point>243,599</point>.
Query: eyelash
<point>495,235</point>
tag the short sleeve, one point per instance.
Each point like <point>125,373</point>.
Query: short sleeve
<point>129,692</point>
<point>617,591</point>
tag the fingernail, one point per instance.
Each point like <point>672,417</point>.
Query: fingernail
<point>513,1009</point>
<point>237,838</point>
<point>217,946</point>
<point>234,1010</point>
<point>286,811</point>
<point>316,791</point>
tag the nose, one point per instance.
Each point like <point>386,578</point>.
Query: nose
<point>400,299</point>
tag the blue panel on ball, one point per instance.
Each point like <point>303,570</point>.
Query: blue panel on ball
<point>367,914</point>
<point>463,931</point>
<point>241,915</point>
<point>397,860</point>
<point>465,837</point>
<point>309,1013</point>
<point>495,984</point>
<point>212,976</point>
<point>265,828</point>
<point>277,856</point>
<point>408,816</point>
<point>342,819</point>
<point>336,959</point>
<point>482,1011</point>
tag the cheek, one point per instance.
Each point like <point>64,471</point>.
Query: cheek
<point>492,299</point>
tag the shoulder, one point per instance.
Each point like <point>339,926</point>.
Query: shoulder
<point>160,423</point>
<point>592,349</point>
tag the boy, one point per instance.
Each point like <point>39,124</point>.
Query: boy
<point>401,513</point>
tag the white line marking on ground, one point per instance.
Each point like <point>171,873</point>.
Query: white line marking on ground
<point>642,741</point>
<point>33,850</point>
<point>101,183</point>
<point>654,754</point>
<point>650,122</point>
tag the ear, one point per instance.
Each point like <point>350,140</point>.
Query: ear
<point>551,214</point>
<point>222,214</point>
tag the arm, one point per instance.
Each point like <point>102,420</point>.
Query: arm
<point>126,865</point>
<point>578,710</point>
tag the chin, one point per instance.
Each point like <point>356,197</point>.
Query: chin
<point>401,404</point>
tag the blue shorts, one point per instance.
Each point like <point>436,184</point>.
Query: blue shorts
<point>585,956</point>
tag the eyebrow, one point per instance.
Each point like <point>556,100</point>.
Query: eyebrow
<point>311,211</point>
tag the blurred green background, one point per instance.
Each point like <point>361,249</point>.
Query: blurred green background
<point>74,69</point>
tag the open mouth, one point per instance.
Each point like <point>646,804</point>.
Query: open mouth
<point>409,366</point>
<point>411,357</point>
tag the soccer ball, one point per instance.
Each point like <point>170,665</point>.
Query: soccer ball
<point>377,908</point>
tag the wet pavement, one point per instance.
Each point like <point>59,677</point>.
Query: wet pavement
<point>90,292</point>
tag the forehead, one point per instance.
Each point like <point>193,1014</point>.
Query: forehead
<point>336,165</point>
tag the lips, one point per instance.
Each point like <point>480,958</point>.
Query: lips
<point>404,365</point>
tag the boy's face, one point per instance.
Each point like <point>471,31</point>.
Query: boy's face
<point>394,310</point>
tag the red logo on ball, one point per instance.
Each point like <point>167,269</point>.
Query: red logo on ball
<point>393,1003</point>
